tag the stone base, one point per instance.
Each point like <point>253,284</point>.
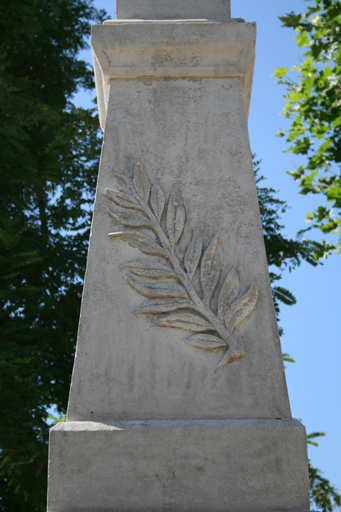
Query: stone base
<point>208,465</point>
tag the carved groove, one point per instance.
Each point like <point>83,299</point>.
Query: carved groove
<point>168,285</point>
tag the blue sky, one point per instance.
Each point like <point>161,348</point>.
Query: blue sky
<point>311,328</point>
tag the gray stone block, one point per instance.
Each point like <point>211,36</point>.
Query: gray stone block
<point>179,466</point>
<point>191,135</point>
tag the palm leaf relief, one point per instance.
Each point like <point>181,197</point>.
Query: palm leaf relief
<point>155,290</point>
<point>157,200</point>
<point>123,181</point>
<point>169,287</point>
<point>175,220</point>
<point>229,291</point>
<point>210,270</point>
<point>122,199</point>
<point>141,242</point>
<point>132,220</point>
<point>241,308</point>
<point>193,253</point>
<point>185,320</point>
<point>141,182</point>
<point>206,342</point>
<point>149,269</point>
<point>160,306</point>
<point>229,358</point>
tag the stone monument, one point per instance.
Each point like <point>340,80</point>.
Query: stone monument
<point>178,399</point>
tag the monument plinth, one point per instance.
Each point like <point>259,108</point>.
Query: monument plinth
<point>178,399</point>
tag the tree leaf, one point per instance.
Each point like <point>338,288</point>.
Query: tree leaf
<point>283,295</point>
<point>206,342</point>
<point>155,290</point>
<point>123,199</point>
<point>229,291</point>
<point>210,270</point>
<point>132,220</point>
<point>141,182</point>
<point>229,358</point>
<point>176,215</point>
<point>187,321</point>
<point>241,308</point>
<point>157,199</point>
<point>141,242</point>
<point>149,269</point>
<point>159,306</point>
<point>193,253</point>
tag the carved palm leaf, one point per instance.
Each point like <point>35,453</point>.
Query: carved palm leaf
<point>241,308</point>
<point>141,242</point>
<point>150,270</point>
<point>228,293</point>
<point>131,220</point>
<point>141,182</point>
<point>160,306</point>
<point>193,253</point>
<point>169,287</point>
<point>155,290</point>
<point>187,321</point>
<point>206,342</point>
<point>157,200</point>
<point>124,200</point>
<point>210,270</point>
<point>176,215</point>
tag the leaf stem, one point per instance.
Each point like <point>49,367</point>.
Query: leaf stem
<point>183,277</point>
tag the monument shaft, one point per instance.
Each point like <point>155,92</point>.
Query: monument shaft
<point>178,398</point>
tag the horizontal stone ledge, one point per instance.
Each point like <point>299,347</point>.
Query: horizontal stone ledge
<point>182,21</point>
<point>88,426</point>
<point>127,31</point>
<point>172,49</point>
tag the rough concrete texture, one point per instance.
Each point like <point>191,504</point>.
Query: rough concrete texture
<point>178,49</point>
<point>172,9</point>
<point>190,134</point>
<point>233,465</point>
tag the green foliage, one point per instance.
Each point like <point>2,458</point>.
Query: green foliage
<point>323,496</point>
<point>313,107</point>
<point>285,253</point>
<point>282,252</point>
<point>49,153</point>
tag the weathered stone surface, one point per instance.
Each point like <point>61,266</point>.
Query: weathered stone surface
<point>183,466</point>
<point>155,392</point>
<point>172,9</point>
<point>190,134</point>
<point>178,49</point>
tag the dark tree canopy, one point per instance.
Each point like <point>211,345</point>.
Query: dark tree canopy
<point>49,152</point>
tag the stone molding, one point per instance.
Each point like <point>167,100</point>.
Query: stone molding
<point>172,49</point>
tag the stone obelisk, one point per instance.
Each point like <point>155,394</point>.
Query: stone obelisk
<point>178,399</point>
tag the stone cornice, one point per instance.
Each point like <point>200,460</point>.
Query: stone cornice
<point>172,49</point>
